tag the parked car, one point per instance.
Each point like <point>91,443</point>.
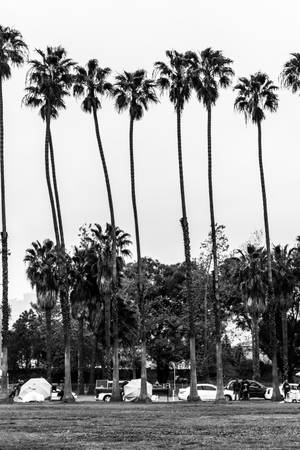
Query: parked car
<point>256,389</point>
<point>269,391</point>
<point>104,392</point>
<point>206,392</point>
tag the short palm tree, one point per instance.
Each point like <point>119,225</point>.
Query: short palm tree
<point>48,83</point>
<point>174,78</point>
<point>91,83</point>
<point>133,91</point>
<point>211,71</point>
<point>13,51</point>
<point>105,251</point>
<point>252,282</point>
<point>41,271</point>
<point>284,280</point>
<point>255,96</point>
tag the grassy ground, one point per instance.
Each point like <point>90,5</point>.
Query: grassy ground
<point>255,424</point>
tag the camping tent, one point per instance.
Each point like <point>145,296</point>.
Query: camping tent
<point>132,390</point>
<point>35,389</point>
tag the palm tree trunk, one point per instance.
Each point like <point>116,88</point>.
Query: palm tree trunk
<point>60,225</point>
<point>276,393</point>
<point>66,318</point>
<point>107,356</point>
<point>5,309</point>
<point>285,357</point>
<point>116,387</point>
<point>218,323</point>
<point>143,394</point>
<point>93,363</point>
<point>47,170</point>
<point>255,347</point>
<point>188,269</point>
<point>80,379</point>
<point>48,344</point>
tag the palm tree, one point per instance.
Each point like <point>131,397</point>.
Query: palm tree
<point>284,283</point>
<point>48,83</point>
<point>133,91</point>
<point>211,71</point>
<point>256,95</point>
<point>290,75</point>
<point>80,295</point>
<point>104,249</point>
<point>174,78</point>
<point>91,84</point>
<point>41,271</point>
<point>251,279</point>
<point>13,51</point>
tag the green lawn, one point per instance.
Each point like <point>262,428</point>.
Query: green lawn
<point>255,424</point>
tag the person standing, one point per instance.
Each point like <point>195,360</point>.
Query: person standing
<point>286,389</point>
<point>236,389</point>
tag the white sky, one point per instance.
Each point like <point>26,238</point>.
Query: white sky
<point>128,34</point>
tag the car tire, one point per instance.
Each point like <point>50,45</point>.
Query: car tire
<point>106,398</point>
<point>228,398</point>
<point>294,401</point>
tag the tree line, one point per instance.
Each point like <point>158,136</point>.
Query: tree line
<point>51,77</point>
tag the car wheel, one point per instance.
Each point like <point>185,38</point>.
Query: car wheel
<point>294,401</point>
<point>228,398</point>
<point>106,398</point>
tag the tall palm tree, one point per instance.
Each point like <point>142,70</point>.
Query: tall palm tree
<point>91,84</point>
<point>48,83</point>
<point>290,75</point>
<point>251,279</point>
<point>210,71</point>
<point>256,95</point>
<point>41,271</point>
<point>133,91</point>
<point>284,280</point>
<point>13,51</point>
<point>174,78</point>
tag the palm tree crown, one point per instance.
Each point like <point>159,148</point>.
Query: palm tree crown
<point>13,50</point>
<point>135,91</point>
<point>49,81</point>
<point>41,270</point>
<point>290,75</point>
<point>255,96</point>
<point>174,78</point>
<point>90,83</point>
<point>209,71</point>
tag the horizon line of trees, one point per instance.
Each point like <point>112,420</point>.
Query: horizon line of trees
<point>50,79</point>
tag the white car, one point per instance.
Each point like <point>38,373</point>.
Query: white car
<point>269,391</point>
<point>206,392</point>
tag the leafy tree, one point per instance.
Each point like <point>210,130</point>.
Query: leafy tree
<point>174,78</point>
<point>211,71</point>
<point>134,92</point>
<point>41,270</point>
<point>13,51</point>
<point>48,83</point>
<point>256,95</point>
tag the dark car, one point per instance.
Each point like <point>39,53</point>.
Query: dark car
<point>257,389</point>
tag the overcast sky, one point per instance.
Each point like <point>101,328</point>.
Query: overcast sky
<point>128,34</point>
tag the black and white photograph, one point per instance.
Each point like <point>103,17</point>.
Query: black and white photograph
<point>150,228</point>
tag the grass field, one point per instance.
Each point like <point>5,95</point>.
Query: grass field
<point>255,424</point>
